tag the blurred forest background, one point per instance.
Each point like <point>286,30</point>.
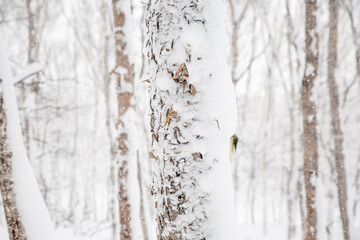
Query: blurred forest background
<point>68,110</point>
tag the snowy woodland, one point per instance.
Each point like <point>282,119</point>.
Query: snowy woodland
<point>180,119</point>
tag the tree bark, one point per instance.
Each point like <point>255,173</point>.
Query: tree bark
<point>14,224</point>
<point>126,121</point>
<point>33,11</point>
<point>190,142</point>
<point>335,117</point>
<point>308,106</point>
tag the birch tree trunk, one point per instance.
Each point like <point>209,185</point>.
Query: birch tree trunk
<point>126,123</point>
<point>308,106</point>
<point>335,117</point>
<point>14,224</point>
<point>193,115</point>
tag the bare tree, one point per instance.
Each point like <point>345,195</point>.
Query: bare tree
<point>308,106</point>
<point>34,10</point>
<point>290,172</point>
<point>15,227</point>
<point>349,8</point>
<point>335,117</point>
<point>126,121</point>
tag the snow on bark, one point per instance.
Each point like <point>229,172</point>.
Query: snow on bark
<point>31,207</point>
<point>193,115</point>
<point>129,205</point>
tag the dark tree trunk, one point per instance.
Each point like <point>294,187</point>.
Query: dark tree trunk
<point>308,106</point>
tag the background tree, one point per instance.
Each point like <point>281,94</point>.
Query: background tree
<point>335,116</point>
<point>123,73</point>
<point>310,144</point>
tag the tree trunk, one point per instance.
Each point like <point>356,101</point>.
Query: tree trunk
<point>15,227</point>
<point>193,115</point>
<point>308,106</point>
<point>24,182</point>
<point>142,201</point>
<point>33,11</point>
<point>299,192</point>
<point>291,223</point>
<point>335,117</point>
<point>126,122</point>
<point>356,36</point>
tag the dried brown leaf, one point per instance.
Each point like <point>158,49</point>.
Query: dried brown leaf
<point>192,89</point>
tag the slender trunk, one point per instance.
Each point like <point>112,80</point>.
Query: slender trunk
<point>264,190</point>
<point>290,172</point>
<point>109,130</point>
<point>31,127</point>
<point>32,55</point>
<point>299,190</point>
<point>142,202</point>
<point>234,36</point>
<point>15,227</point>
<point>355,35</point>
<point>126,121</point>
<point>190,143</point>
<point>357,187</point>
<point>335,117</point>
<point>310,142</point>
<point>74,164</point>
<point>234,41</point>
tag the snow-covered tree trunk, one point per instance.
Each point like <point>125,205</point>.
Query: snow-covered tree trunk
<point>128,199</point>
<point>32,211</point>
<point>14,224</point>
<point>193,116</point>
<point>308,106</point>
<point>335,117</point>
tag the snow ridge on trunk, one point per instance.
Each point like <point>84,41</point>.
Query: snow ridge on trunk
<point>31,207</point>
<point>193,115</point>
<point>127,142</point>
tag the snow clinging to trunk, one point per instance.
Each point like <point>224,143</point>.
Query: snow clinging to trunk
<point>31,207</point>
<point>193,115</point>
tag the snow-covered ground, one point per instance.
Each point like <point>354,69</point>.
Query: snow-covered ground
<point>274,231</point>
<point>67,234</point>
<point>245,232</point>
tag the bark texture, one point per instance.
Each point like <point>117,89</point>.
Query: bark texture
<point>184,133</point>
<point>33,14</point>
<point>15,227</point>
<point>308,106</point>
<point>335,117</point>
<point>125,124</point>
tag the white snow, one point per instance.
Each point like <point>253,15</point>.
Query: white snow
<point>32,210</point>
<point>215,111</point>
<point>27,72</point>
